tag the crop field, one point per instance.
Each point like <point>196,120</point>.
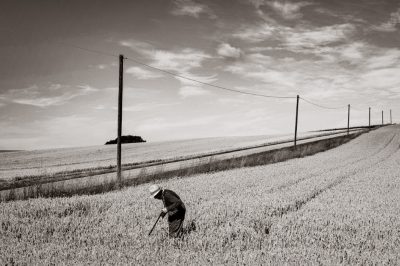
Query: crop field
<point>341,206</point>
<point>51,161</point>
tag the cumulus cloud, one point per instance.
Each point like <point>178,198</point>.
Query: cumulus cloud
<point>390,25</point>
<point>182,62</point>
<point>191,8</point>
<point>55,94</point>
<point>141,73</point>
<point>227,50</point>
<point>354,67</point>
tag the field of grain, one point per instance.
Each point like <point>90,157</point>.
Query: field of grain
<point>341,206</point>
<point>51,161</point>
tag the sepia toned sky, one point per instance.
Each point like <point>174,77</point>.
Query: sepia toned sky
<point>54,94</point>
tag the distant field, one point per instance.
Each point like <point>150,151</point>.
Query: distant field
<point>337,207</point>
<point>46,162</point>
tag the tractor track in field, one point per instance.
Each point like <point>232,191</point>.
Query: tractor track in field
<point>299,204</point>
<point>297,181</point>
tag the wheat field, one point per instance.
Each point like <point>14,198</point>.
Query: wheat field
<point>341,206</point>
<point>51,161</point>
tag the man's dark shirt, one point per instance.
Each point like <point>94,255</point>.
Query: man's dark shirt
<point>175,207</point>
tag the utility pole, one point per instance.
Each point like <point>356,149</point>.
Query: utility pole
<point>369,117</point>
<point>297,116</point>
<point>348,119</point>
<point>391,116</point>
<point>382,117</point>
<point>120,86</point>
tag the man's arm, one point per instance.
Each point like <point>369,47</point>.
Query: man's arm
<point>177,202</point>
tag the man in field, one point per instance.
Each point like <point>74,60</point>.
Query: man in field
<point>173,205</point>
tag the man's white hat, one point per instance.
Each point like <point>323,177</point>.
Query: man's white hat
<point>154,189</point>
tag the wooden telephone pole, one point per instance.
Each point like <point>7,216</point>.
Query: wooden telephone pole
<point>297,116</point>
<point>348,119</point>
<point>369,117</point>
<point>120,87</point>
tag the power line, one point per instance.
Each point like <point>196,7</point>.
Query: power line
<point>88,50</point>
<point>209,84</point>
<point>198,81</point>
<point>177,75</point>
<point>322,106</point>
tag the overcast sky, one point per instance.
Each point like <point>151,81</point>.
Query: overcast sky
<point>53,94</point>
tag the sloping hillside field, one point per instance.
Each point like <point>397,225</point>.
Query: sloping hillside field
<point>341,206</point>
<point>52,161</point>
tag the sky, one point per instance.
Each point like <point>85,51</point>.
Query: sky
<point>59,68</point>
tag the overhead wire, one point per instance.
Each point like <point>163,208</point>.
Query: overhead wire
<point>199,81</point>
<point>87,49</point>
<point>322,106</point>
<point>208,84</point>
<point>177,75</point>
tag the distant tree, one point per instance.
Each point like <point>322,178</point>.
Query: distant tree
<point>126,139</point>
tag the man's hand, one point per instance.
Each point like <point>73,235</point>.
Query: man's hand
<point>164,212</point>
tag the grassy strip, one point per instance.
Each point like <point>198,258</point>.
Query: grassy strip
<point>351,128</point>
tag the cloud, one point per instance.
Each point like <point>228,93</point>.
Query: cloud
<point>285,76</point>
<point>310,38</point>
<point>55,94</point>
<point>101,66</point>
<point>256,33</point>
<point>86,89</point>
<point>390,25</point>
<point>179,60</point>
<point>189,91</point>
<point>381,79</point>
<point>353,52</point>
<point>340,15</point>
<point>141,73</point>
<point>191,88</point>
<point>182,62</point>
<point>288,10</point>
<point>138,46</point>
<point>205,79</point>
<point>191,8</point>
<point>257,3</point>
<point>299,38</point>
<point>228,51</point>
<point>385,58</point>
